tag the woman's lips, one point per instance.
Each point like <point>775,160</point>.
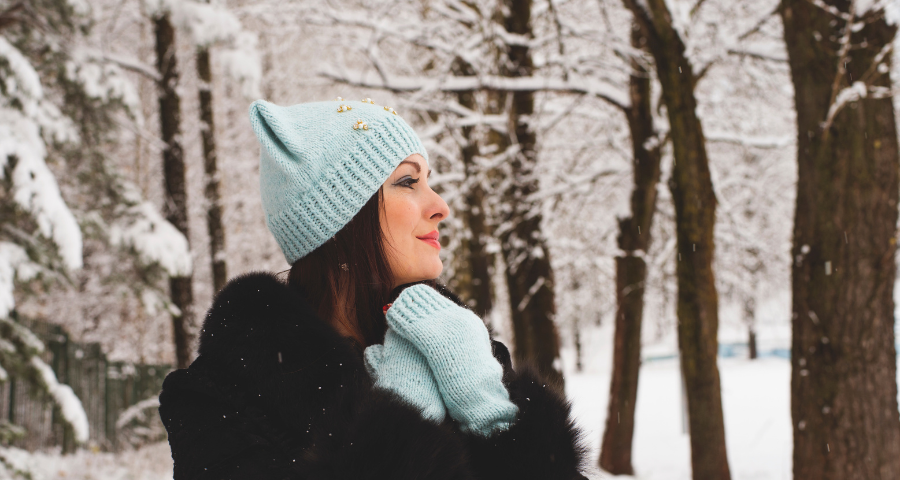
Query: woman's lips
<point>431,239</point>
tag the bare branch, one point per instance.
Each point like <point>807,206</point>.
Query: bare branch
<point>696,8</point>
<point>762,21</point>
<point>573,184</point>
<point>750,141</point>
<point>400,84</point>
<point>878,66</point>
<point>756,55</point>
<point>841,68</point>
<point>559,40</point>
<point>834,10</point>
<point>133,65</point>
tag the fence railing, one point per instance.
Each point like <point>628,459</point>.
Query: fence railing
<point>106,389</point>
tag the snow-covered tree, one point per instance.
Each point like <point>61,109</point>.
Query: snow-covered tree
<point>39,235</point>
<point>120,298</point>
<point>67,213</point>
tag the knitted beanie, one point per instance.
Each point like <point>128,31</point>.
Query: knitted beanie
<point>321,162</point>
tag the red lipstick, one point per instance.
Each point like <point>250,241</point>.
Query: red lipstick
<point>431,239</point>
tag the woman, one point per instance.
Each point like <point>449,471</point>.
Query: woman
<point>359,366</point>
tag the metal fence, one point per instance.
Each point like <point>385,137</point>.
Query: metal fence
<point>106,389</point>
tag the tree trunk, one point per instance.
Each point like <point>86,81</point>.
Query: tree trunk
<point>695,207</point>
<point>211,190</point>
<point>631,273</point>
<point>843,383</point>
<point>472,281</point>
<point>529,275</point>
<point>750,319</point>
<point>174,174</point>
<point>751,343</point>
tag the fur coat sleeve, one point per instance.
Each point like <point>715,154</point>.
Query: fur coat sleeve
<point>277,393</point>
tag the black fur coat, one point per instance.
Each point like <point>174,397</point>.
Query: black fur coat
<point>276,393</point>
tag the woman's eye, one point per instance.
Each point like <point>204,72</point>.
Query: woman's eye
<point>407,182</point>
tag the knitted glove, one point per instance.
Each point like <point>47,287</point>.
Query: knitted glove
<point>458,349</point>
<point>397,366</point>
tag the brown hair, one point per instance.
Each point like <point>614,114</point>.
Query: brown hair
<point>348,279</point>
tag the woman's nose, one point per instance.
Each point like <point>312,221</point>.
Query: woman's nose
<point>438,209</point>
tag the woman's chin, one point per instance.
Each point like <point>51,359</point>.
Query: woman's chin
<point>425,272</point>
<point>436,269</point>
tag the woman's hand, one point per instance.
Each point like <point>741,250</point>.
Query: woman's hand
<point>397,366</point>
<point>457,346</point>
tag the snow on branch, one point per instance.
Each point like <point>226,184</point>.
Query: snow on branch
<point>34,186</point>
<point>860,88</point>
<point>399,84</point>
<point>69,405</point>
<point>24,117</point>
<point>136,411</point>
<point>759,55</point>
<point>20,347</point>
<point>832,10</point>
<point>413,33</point>
<point>14,266</point>
<point>155,240</point>
<point>836,94</point>
<point>891,9</point>
<point>133,65</point>
<point>849,94</point>
<point>23,80</point>
<point>573,184</point>
<point>210,25</point>
<point>206,24</point>
<point>101,77</point>
<point>751,141</point>
<point>243,63</point>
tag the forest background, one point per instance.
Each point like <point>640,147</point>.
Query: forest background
<point>564,134</point>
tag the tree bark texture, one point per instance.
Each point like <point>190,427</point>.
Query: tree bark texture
<point>695,208</point>
<point>843,384</point>
<point>631,273</point>
<point>174,177</point>
<point>211,190</point>
<point>472,281</point>
<point>529,275</point>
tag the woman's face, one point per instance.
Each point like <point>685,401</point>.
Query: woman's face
<point>409,222</point>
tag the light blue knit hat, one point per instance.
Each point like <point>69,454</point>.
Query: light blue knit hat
<point>321,162</point>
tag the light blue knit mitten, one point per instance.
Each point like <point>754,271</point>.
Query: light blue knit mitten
<point>458,349</point>
<point>397,366</point>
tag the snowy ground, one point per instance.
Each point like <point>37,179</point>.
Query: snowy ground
<point>756,398</point>
<point>149,463</point>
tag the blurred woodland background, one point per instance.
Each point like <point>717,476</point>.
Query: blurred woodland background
<point>632,182</point>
